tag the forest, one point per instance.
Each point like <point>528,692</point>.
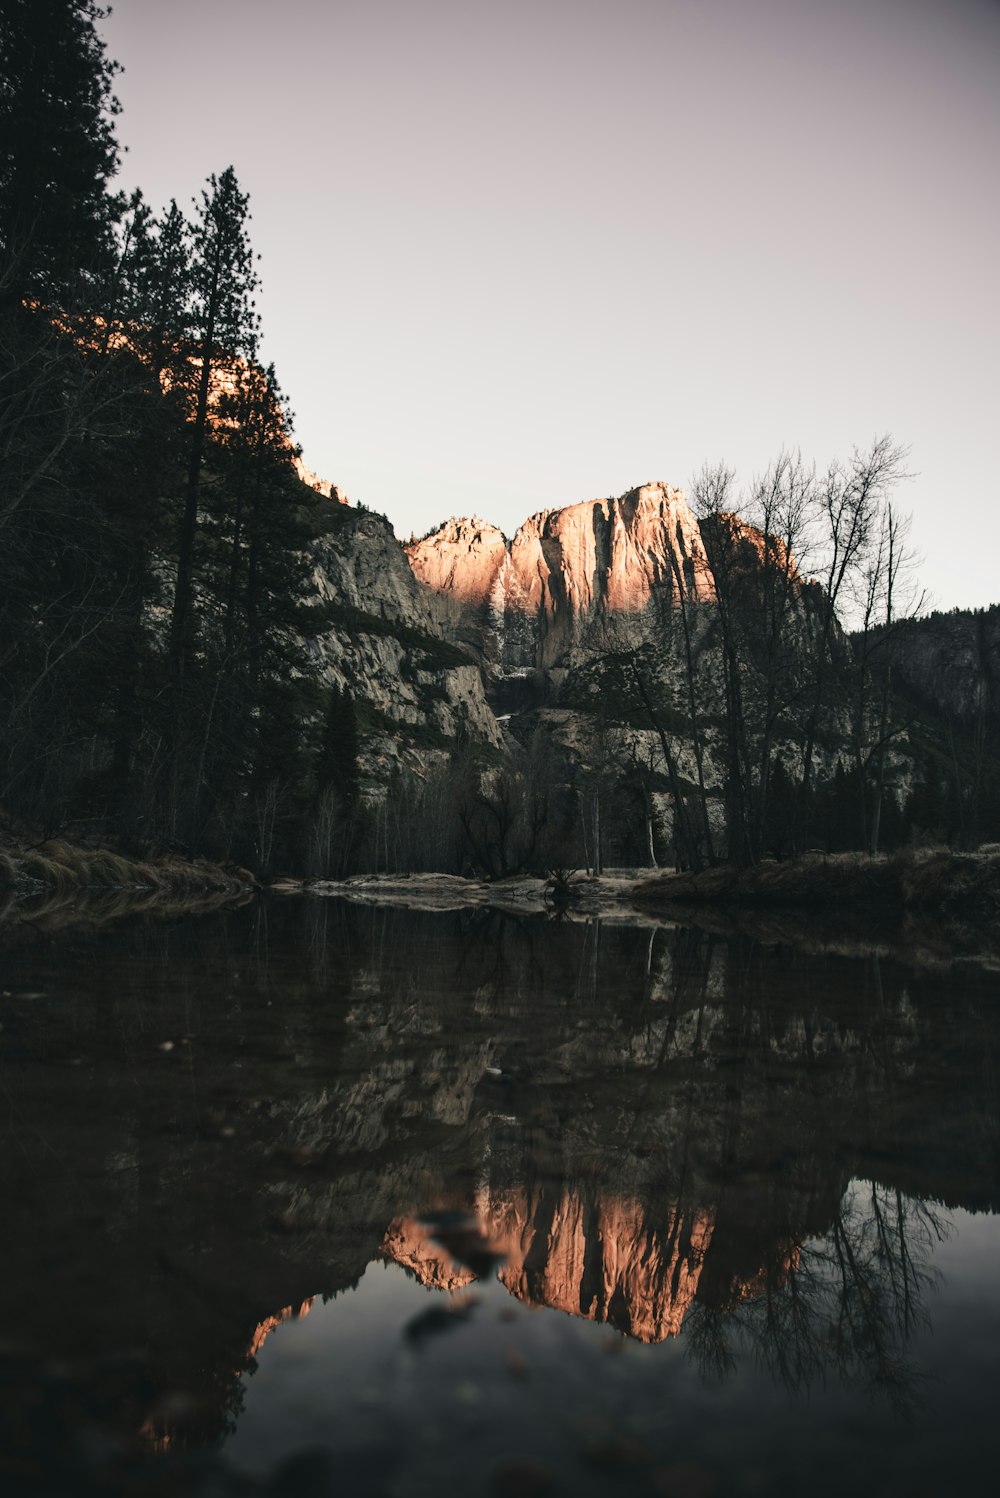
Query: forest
<point>154,582</point>
<point>157,692</point>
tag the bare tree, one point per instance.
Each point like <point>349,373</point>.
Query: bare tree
<point>849,503</point>
<point>780,507</point>
<point>888,596</point>
<point>715,505</point>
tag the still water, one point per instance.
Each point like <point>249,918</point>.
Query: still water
<point>313,1198</point>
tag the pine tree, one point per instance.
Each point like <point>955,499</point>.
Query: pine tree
<point>224,333</point>
<point>154,292</point>
<point>68,552</point>
<point>256,595</point>
<point>337,760</point>
<point>57,153</point>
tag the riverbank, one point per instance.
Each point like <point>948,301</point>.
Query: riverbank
<point>68,868</point>
<point>931,882</point>
<point>925,881</point>
<point>934,885</point>
<point>929,904</point>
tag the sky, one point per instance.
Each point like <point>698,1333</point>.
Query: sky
<point>521,253</point>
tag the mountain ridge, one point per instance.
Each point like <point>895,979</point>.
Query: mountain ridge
<point>533,599</point>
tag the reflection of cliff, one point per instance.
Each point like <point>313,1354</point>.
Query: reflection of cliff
<point>676,1114</point>
<point>271,1323</point>
<point>605,1260</point>
<point>410,1243</point>
<point>601,1260</point>
<point>608,1259</point>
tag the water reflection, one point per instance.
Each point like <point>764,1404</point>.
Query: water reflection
<point>688,1139</point>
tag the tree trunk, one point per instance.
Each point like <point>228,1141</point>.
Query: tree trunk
<point>686,840</point>
<point>598,870</point>
<point>693,707</point>
<point>184,590</point>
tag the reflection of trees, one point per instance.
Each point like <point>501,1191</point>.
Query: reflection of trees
<point>844,1304</point>
<point>328,1073</point>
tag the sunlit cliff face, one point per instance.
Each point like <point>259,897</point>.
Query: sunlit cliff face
<point>464,558</point>
<point>608,553</point>
<point>567,578</point>
<point>227,382</point>
<point>589,579</point>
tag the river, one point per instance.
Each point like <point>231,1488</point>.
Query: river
<point>311,1197</point>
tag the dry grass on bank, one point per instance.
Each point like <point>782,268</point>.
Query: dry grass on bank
<point>66,868</point>
<point>937,881</point>
<point>51,911</point>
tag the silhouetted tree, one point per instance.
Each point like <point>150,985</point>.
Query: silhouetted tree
<point>224,330</point>
<point>58,154</point>
<point>337,757</point>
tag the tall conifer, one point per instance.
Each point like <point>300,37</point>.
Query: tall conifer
<point>57,152</point>
<point>224,333</point>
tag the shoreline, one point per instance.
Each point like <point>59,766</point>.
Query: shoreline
<point>943,904</point>
<point>916,882</point>
<point>608,896</point>
<point>924,882</point>
<point>62,868</point>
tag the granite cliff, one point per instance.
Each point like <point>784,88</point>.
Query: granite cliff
<point>416,692</point>
<point>544,598</point>
<point>467,636</point>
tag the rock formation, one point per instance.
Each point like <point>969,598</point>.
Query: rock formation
<point>321,486</point>
<point>442,637</point>
<point>417,693</point>
<point>544,597</point>
<point>605,1261</point>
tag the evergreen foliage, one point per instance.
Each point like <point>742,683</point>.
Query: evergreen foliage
<point>155,591</point>
<point>58,152</point>
<point>337,758</point>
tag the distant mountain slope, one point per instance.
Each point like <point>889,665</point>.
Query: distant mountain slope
<point>950,663</point>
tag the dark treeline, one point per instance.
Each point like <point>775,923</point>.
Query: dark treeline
<point>156,690</point>
<point>779,729</point>
<point>744,721</point>
<point>154,588</point>
<point>823,745</point>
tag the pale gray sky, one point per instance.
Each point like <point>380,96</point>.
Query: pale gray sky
<point>519,253</point>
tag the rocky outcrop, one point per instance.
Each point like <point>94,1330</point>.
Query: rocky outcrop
<point>417,693</point>
<point>409,1243</point>
<point>312,480</point>
<point>270,1324</point>
<point>548,595</point>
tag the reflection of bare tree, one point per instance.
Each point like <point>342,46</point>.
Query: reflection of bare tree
<point>330,1068</point>
<point>845,1304</point>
